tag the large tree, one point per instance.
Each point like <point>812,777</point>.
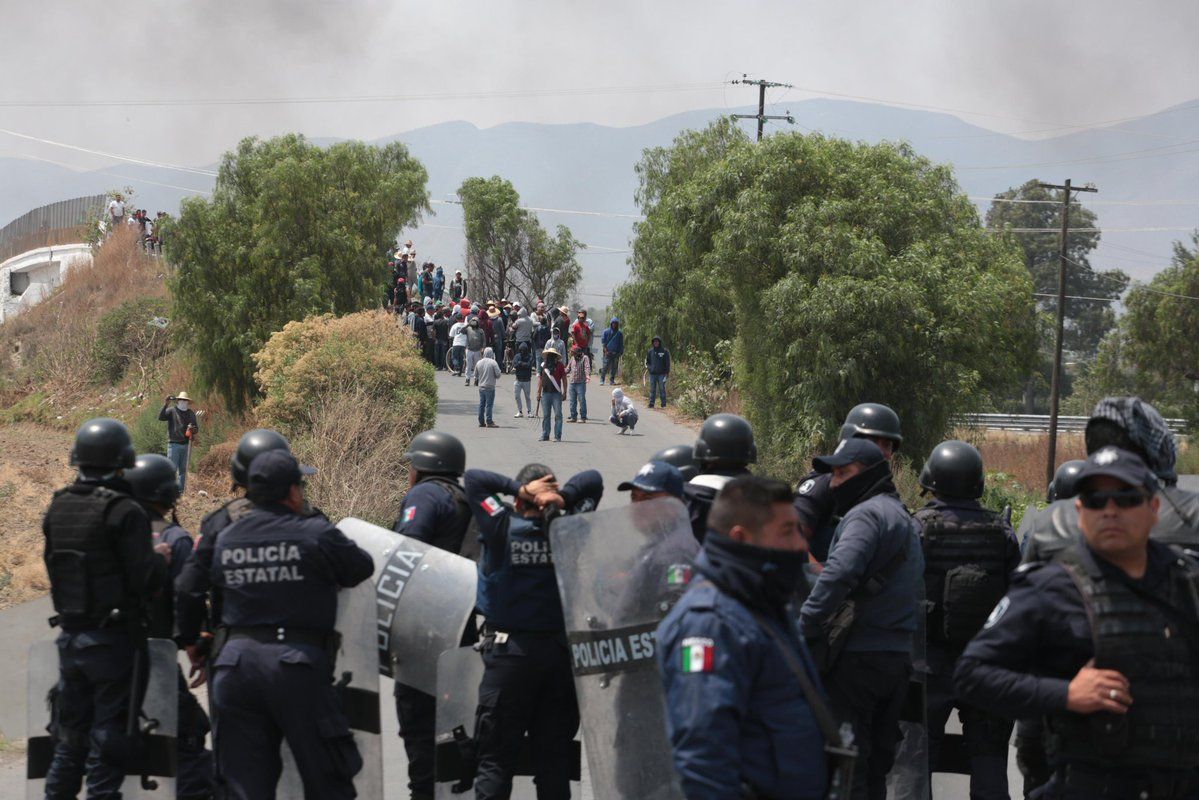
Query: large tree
<point>846,272</point>
<point>508,253</point>
<point>291,230</point>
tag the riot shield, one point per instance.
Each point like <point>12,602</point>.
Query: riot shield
<point>356,680</point>
<point>619,572</point>
<point>459,673</point>
<point>424,601</point>
<point>154,774</point>
<point>910,778</point>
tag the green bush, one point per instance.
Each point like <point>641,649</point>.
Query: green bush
<point>149,435</point>
<point>127,337</point>
<point>703,380</point>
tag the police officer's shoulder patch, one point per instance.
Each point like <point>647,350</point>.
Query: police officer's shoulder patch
<point>409,513</point>
<point>997,613</point>
<point>492,505</point>
<point>806,486</point>
<point>698,654</point>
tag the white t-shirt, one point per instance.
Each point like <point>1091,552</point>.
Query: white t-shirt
<point>458,334</point>
<point>116,208</point>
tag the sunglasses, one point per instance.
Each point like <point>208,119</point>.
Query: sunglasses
<point>1125,498</point>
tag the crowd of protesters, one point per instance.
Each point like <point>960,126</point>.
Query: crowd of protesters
<point>149,228</point>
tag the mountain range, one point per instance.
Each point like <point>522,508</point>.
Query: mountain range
<point>1145,169</point>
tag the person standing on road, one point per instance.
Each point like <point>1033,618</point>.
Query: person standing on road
<point>435,511</point>
<point>104,573</point>
<point>441,338</point>
<point>458,343</point>
<point>476,340</point>
<point>657,361</point>
<point>612,343</point>
<point>498,334</point>
<point>438,284</point>
<point>876,562</point>
<point>541,334</point>
<point>487,372</point>
<point>182,427</point>
<point>522,374</point>
<point>550,383</point>
<point>522,329</point>
<point>578,370</point>
<point>580,332</point>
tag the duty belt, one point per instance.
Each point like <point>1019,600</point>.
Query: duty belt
<point>329,641</point>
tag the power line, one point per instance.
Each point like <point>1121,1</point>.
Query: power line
<point>115,156</point>
<point>762,116</point>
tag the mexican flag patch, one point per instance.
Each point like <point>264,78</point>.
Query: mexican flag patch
<point>678,575</point>
<point>409,513</point>
<point>492,505</point>
<point>699,655</point>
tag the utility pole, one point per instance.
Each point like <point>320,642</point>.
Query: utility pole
<point>1055,387</point>
<point>761,116</point>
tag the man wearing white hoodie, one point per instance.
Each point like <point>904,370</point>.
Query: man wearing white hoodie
<point>624,414</point>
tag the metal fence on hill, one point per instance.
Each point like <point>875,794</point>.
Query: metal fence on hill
<point>64,222</point>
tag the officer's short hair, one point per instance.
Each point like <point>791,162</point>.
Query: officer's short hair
<point>747,501</point>
<point>531,472</point>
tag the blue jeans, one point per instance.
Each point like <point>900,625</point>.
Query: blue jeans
<point>458,358</point>
<point>578,400</point>
<point>551,402</point>
<point>486,404</point>
<point>657,384</point>
<point>611,364</point>
<point>177,453</point>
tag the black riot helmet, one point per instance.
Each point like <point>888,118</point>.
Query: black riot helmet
<point>437,453</point>
<point>153,479</point>
<point>872,420</point>
<point>1065,480</point>
<point>103,443</point>
<point>954,469</point>
<point>726,439</point>
<point>251,444</point>
<point>682,457</point>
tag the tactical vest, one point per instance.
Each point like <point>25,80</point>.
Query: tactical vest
<point>86,580</point>
<point>462,537</point>
<point>1153,640</point>
<point>522,594</point>
<point>965,574</point>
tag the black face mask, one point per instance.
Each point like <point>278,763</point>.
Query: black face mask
<point>854,490</point>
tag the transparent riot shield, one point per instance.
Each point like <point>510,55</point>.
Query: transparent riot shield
<point>153,776</point>
<point>619,571</point>
<point>424,601</point>
<point>356,680</point>
<point>910,778</point>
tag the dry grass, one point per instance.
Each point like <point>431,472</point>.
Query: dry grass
<point>1022,455</point>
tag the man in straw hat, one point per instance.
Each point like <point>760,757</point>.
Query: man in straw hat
<point>182,427</point>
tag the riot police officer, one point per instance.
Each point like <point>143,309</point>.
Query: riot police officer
<point>814,497</point>
<point>1065,481</point>
<point>103,573</point>
<point>1101,644</point>
<point>192,608</point>
<point>875,563</point>
<point>279,569</point>
<point>724,450</point>
<point>527,682</point>
<point>968,554</point>
<point>740,724</point>
<point>680,456</point>
<point>435,511</point>
<point>154,483</point>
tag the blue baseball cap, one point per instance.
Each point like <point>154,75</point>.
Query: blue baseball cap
<point>849,451</point>
<point>1123,465</point>
<point>656,476</point>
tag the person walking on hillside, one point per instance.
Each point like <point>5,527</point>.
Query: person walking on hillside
<point>549,393</point>
<point>578,371</point>
<point>612,343</point>
<point>522,374</point>
<point>182,427</point>
<point>476,340</point>
<point>116,212</point>
<point>657,361</point>
<point>457,287</point>
<point>487,372</point>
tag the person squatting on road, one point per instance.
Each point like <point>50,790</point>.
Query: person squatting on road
<point>435,511</point>
<point>104,574</point>
<point>876,562</point>
<point>624,413</point>
<point>271,673</point>
<point>528,687</point>
<point>740,724</point>
<point>182,428</point>
<point>1102,645</point>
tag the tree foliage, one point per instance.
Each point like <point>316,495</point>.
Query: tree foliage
<point>291,230</point>
<point>843,272</point>
<point>508,253</point>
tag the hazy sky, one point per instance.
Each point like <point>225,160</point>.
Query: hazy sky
<point>1027,64</point>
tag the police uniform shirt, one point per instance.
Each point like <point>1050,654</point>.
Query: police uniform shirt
<point>179,540</point>
<point>192,583</point>
<point>814,502</point>
<point>427,509</point>
<point>275,567</point>
<point>1038,637</point>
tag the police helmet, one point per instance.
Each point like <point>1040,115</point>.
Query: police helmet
<point>1065,480</point>
<point>726,438</point>
<point>872,420</point>
<point>251,444</point>
<point>954,469</point>
<point>682,457</point>
<point>103,443</point>
<point>154,479</point>
<point>437,453</point>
